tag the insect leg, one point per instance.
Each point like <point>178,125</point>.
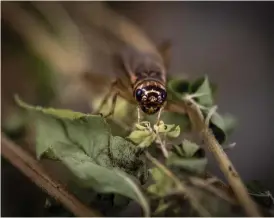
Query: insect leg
<point>138,115</point>
<point>160,112</point>
<point>107,96</point>
<point>159,116</point>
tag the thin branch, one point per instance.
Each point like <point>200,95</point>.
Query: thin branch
<point>32,169</point>
<point>180,186</point>
<point>209,187</point>
<point>225,164</point>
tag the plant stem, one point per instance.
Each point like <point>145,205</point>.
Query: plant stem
<point>162,146</point>
<point>180,187</point>
<point>225,164</point>
<point>32,169</point>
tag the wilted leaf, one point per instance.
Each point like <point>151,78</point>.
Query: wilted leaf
<point>144,136</point>
<point>168,129</point>
<point>163,128</point>
<point>143,125</point>
<point>137,136</point>
<point>147,141</point>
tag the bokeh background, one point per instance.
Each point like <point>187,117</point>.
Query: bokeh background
<point>232,42</point>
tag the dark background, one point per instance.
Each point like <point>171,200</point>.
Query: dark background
<point>232,42</point>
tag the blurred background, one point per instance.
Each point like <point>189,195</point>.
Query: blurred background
<point>49,51</point>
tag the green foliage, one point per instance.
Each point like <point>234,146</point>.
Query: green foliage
<point>202,92</point>
<point>109,163</point>
<point>189,157</point>
<point>171,131</point>
<point>144,135</point>
<point>203,88</point>
<point>163,184</point>
<point>84,144</point>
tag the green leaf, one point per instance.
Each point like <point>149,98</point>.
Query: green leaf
<point>84,144</point>
<point>177,87</point>
<point>100,178</point>
<point>188,156</point>
<point>203,88</point>
<point>222,126</point>
<point>48,131</point>
<point>195,165</point>
<point>61,113</point>
<point>162,185</point>
<point>190,149</point>
<point>226,122</point>
<point>177,119</point>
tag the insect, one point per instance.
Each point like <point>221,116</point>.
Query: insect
<point>142,77</point>
<point>141,67</point>
<point>144,83</point>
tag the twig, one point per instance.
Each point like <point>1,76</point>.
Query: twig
<point>225,164</point>
<point>32,169</point>
<point>180,186</point>
<point>209,187</point>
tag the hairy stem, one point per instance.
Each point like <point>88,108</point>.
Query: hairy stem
<point>225,164</point>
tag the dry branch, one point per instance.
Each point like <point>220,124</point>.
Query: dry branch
<point>238,187</point>
<point>33,169</point>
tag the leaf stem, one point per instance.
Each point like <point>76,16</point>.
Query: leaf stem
<point>225,164</point>
<point>32,169</point>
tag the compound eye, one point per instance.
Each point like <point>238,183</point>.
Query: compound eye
<point>163,95</point>
<point>138,94</point>
<point>160,98</point>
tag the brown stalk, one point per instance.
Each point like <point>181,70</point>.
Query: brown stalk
<point>234,179</point>
<point>34,171</point>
